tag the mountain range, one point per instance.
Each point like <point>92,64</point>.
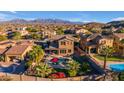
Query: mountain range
<point>60,21</point>
<point>46,21</point>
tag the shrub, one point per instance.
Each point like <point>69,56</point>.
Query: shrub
<point>57,75</point>
<point>61,74</point>
<point>72,73</point>
<point>53,76</point>
<point>2,38</point>
<point>73,68</point>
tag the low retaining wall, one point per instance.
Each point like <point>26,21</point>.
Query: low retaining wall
<point>15,77</point>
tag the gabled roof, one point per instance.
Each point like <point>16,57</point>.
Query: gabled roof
<point>60,37</point>
<point>65,37</point>
<point>17,50</point>
<point>6,42</point>
<point>2,51</point>
<point>93,36</point>
<point>119,35</point>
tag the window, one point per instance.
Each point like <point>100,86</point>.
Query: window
<point>69,51</point>
<point>103,42</point>
<point>120,47</point>
<point>70,43</point>
<point>63,51</point>
<point>63,43</point>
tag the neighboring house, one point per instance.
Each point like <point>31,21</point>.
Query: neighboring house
<point>7,43</point>
<point>81,31</point>
<point>16,52</point>
<point>2,33</point>
<point>77,31</point>
<point>2,51</point>
<point>118,44</point>
<point>60,45</point>
<point>25,42</point>
<point>48,33</point>
<point>92,43</point>
<point>22,30</point>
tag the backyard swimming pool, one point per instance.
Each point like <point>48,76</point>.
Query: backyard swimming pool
<point>117,67</point>
<point>6,69</point>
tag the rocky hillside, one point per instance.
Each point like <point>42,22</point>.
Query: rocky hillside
<point>115,24</point>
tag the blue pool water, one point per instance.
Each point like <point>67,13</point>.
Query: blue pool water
<point>6,70</point>
<point>117,67</point>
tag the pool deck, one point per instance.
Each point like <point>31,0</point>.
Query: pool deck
<point>6,64</point>
<point>101,63</point>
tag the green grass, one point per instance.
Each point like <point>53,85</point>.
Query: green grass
<point>113,58</point>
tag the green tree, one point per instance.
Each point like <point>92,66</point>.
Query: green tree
<point>35,55</point>
<point>43,70</point>
<point>36,36</point>
<point>74,67</point>
<point>1,58</point>
<point>122,41</point>
<point>60,31</point>
<point>85,67</point>
<point>39,53</point>
<point>16,35</point>
<point>121,31</point>
<point>106,51</point>
<point>3,37</point>
<point>31,29</point>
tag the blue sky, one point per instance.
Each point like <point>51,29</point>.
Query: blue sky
<point>82,16</point>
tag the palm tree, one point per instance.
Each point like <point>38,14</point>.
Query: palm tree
<point>73,68</point>
<point>43,70</point>
<point>1,58</point>
<point>106,51</point>
<point>32,55</point>
<point>39,53</point>
<point>36,54</point>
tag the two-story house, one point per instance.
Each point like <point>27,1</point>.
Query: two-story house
<point>61,45</point>
<point>22,30</point>
<point>119,43</point>
<point>48,33</point>
<point>92,43</point>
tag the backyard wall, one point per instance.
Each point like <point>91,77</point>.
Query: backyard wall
<point>15,77</point>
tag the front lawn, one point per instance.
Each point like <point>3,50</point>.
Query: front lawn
<point>113,58</point>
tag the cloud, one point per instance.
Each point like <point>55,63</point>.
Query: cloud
<point>75,19</point>
<point>86,21</point>
<point>13,12</point>
<point>118,19</point>
<point>5,16</point>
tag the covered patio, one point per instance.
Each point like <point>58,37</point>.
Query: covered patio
<point>92,49</point>
<point>53,51</point>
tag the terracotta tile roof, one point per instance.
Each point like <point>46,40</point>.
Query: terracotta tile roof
<point>6,42</point>
<point>119,35</point>
<point>25,43</point>
<point>17,50</point>
<point>2,51</point>
<point>58,37</point>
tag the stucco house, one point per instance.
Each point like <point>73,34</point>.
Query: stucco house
<point>16,52</point>
<point>61,45</point>
<point>92,43</point>
<point>119,43</point>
